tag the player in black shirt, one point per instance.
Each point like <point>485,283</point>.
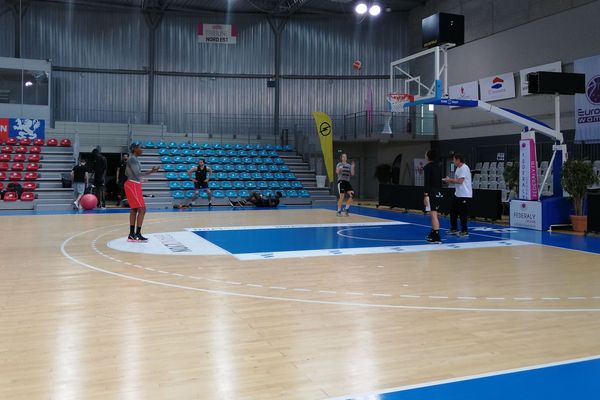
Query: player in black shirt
<point>121,177</point>
<point>200,178</point>
<point>433,195</point>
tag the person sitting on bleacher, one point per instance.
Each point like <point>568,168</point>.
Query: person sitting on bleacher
<point>258,200</point>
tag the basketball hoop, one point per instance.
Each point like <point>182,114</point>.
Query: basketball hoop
<point>396,101</point>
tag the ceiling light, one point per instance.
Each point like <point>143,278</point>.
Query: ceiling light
<point>28,83</point>
<point>360,8</point>
<point>375,10</point>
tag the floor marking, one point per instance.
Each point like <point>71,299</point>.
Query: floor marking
<point>379,266</point>
<point>127,263</point>
<point>302,290</point>
<point>163,272</point>
<point>328,225</point>
<point>150,269</point>
<point>277,287</point>
<point>327,291</point>
<point>438,297</point>
<point>176,274</point>
<point>253,285</point>
<point>378,393</point>
<point>495,298</point>
<point>466,298</point>
<point>550,298</point>
<point>233,283</point>
<point>213,280</point>
<point>410,296</point>
<point>195,277</point>
<point>355,293</point>
<point>522,298</point>
<point>596,297</point>
<point>381,295</point>
<point>576,298</point>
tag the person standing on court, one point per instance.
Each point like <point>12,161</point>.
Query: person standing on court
<point>432,194</point>
<point>200,178</point>
<point>344,171</point>
<point>79,177</point>
<point>133,191</point>
<point>99,169</point>
<point>463,192</point>
<point>121,177</point>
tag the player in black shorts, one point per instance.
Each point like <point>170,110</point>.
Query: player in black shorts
<point>344,172</point>
<point>433,195</point>
<point>258,200</point>
<point>200,178</point>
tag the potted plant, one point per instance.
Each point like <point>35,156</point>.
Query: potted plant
<point>383,173</point>
<point>511,177</point>
<point>575,179</point>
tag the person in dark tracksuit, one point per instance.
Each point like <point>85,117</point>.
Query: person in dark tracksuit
<point>432,195</point>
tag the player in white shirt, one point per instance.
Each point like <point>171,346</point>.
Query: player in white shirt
<point>463,193</point>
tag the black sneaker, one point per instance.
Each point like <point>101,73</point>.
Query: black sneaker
<point>339,213</point>
<point>435,238</point>
<point>210,203</point>
<point>347,212</point>
<point>452,232</point>
<point>140,238</point>
<point>429,237</point>
<point>132,238</point>
<point>463,234</point>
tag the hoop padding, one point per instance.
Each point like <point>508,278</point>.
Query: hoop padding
<point>396,101</point>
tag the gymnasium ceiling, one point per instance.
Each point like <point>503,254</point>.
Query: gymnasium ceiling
<point>266,7</point>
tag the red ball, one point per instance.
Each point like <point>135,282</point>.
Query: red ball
<point>357,65</point>
<point>88,201</point>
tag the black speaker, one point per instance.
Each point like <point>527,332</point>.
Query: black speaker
<point>543,82</point>
<point>593,203</point>
<point>443,28</point>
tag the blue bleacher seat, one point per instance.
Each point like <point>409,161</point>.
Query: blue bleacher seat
<point>233,176</point>
<point>263,168</point>
<point>257,160</point>
<point>184,145</point>
<point>262,185</point>
<point>161,145</point>
<point>297,185</point>
<point>256,176</point>
<point>268,160</point>
<point>191,160</point>
<point>250,185</point>
<point>217,168</point>
<point>206,146</point>
<point>284,168</point>
<point>236,160</point>
<point>245,176</point>
<point>178,160</point>
<point>149,145</point>
<point>278,161</point>
<point>199,153</point>
<point>273,154</point>
<point>229,167</point>
<point>303,193</point>
<point>288,148</point>
<point>187,152</point>
<point>213,185</point>
<point>259,146</point>
<point>163,152</point>
<point>190,194</point>
<point>227,146</point>
<point>171,176</point>
<point>178,195</point>
<point>247,160</point>
<point>209,153</point>
<point>203,194</point>
<point>238,146</point>
<point>188,185</point>
<point>181,168</point>
<point>290,176</point>
<point>278,148</point>
<point>251,168</point>
<point>249,146</point>
<point>231,153</point>
<point>218,194</point>
<point>273,185</point>
<point>238,185</point>
<point>168,167</point>
<point>184,176</point>
<point>267,193</point>
<point>217,146</point>
<point>231,193</point>
<point>220,152</point>
<point>240,168</point>
<point>274,168</point>
<point>172,145</point>
<point>291,193</point>
<point>263,153</point>
<point>242,153</point>
<point>279,176</point>
<point>175,152</point>
<point>267,176</point>
<point>244,193</point>
<point>285,184</point>
<point>252,153</point>
<point>225,160</point>
<point>175,185</point>
<point>212,160</point>
<point>226,185</point>
<point>166,159</point>
<point>196,146</point>
<point>222,176</point>
<point>269,147</point>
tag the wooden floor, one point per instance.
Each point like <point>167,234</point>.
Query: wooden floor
<point>199,327</point>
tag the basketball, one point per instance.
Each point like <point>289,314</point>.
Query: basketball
<point>357,65</point>
<point>88,201</point>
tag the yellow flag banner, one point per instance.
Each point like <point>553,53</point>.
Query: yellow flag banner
<point>324,130</point>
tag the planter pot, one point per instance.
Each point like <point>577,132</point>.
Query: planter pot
<point>579,223</point>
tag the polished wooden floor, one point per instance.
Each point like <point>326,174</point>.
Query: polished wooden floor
<point>79,320</point>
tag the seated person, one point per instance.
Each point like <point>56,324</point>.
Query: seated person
<point>258,201</point>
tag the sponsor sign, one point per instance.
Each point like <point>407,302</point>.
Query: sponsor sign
<point>217,34</point>
<point>497,87</point>
<point>587,105</point>
<point>526,214</point>
<point>464,91</point>
<point>528,185</point>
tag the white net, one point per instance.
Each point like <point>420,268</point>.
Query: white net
<point>396,101</point>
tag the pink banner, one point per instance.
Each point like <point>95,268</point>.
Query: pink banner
<point>528,182</point>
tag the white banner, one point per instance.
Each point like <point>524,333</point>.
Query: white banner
<point>528,185</point>
<point>419,164</point>
<point>497,87</point>
<point>587,105</point>
<point>526,214</point>
<point>551,67</point>
<point>217,33</point>
<point>464,91</point>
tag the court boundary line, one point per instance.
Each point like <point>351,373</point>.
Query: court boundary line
<point>465,378</point>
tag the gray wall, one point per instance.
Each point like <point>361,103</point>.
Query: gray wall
<point>7,39</point>
<point>565,36</point>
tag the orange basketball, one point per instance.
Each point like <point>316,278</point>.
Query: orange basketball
<point>357,65</point>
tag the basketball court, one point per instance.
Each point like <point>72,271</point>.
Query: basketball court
<point>288,303</point>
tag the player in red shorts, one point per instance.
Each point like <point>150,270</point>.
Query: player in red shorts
<point>133,191</point>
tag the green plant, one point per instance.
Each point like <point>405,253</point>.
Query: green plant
<point>575,178</point>
<point>511,177</point>
<point>383,173</point>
